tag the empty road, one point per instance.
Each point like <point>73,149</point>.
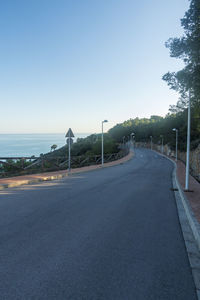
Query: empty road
<point>112,233</point>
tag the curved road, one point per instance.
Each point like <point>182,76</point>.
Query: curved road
<point>112,233</point>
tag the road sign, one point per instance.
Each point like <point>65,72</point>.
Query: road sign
<point>69,140</point>
<point>69,133</point>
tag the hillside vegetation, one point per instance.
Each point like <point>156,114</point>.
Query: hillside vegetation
<point>156,127</point>
<point>91,145</point>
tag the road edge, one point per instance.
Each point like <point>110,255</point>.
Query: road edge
<point>195,226</point>
<point>51,177</point>
<point>32,181</point>
<point>190,227</point>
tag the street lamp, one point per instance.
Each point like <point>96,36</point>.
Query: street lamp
<point>174,129</point>
<point>162,143</point>
<point>102,158</point>
<point>188,146</point>
<point>151,141</point>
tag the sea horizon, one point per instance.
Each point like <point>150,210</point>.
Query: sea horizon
<point>29,144</point>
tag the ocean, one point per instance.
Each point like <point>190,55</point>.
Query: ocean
<point>32,144</point>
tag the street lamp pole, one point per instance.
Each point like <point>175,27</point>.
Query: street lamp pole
<point>133,138</point>
<point>188,145</point>
<point>102,156</point>
<point>123,141</point>
<point>162,143</point>
<point>174,129</point>
<point>151,141</point>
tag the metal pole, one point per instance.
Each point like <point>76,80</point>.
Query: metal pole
<point>176,144</point>
<point>69,157</point>
<point>162,145</point>
<point>102,145</point>
<point>188,147</point>
<point>133,139</point>
<point>151,142</point>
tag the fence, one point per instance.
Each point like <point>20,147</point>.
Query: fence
<point>12,166</point>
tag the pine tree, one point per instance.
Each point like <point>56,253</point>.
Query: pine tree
<point>187,48</point>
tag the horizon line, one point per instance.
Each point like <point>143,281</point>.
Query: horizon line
<point>44,133</point>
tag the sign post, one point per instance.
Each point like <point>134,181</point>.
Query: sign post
<point>69,135</point>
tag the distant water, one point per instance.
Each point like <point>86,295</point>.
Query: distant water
<point>32,144</point>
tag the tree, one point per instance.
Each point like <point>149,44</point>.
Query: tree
<point>186,48</point>
<point>53,147</point>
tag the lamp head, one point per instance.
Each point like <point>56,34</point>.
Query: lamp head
<point>105,121</point>
<point>174,129</point>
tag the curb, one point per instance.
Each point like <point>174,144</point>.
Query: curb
<point>32,181</point>
<point>195,226</point>
<point>190,228</point>
<point>58,176</point>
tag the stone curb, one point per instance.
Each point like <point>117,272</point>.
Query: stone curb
<point>60,176</point>
<point>194,224</point>
<point>191,235</point>
<point>192,240</point>
<point>188,236</point>
<point>31,181</point>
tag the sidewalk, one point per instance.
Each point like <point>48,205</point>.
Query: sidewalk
<point>35,178</point>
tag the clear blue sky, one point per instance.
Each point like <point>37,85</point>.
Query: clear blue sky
<point>74,63</point>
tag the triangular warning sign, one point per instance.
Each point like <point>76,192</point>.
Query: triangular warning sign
<point>69,133</point>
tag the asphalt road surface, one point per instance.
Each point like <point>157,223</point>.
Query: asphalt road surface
<point>112,233</point>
